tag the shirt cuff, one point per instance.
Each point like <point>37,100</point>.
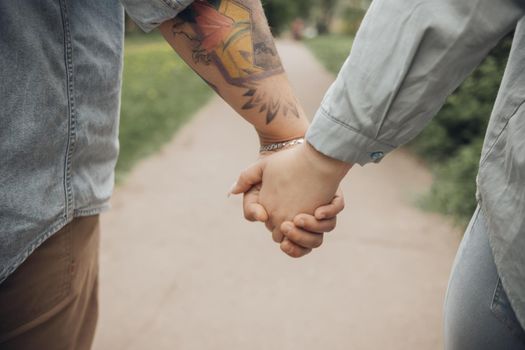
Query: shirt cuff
<point>149,14</point>
<point>336,139</point>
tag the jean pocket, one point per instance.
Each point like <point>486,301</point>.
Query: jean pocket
<point>503,311</point>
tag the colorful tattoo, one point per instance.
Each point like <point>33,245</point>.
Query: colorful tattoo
<point>222,32</point>
<point>233,36</point>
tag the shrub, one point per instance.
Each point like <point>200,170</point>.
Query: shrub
<point>452,142</point>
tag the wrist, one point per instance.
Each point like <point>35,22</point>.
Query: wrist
<point>325,165</point>
<point>282,133</point>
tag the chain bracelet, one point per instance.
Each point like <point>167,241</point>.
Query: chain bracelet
<point>280,145</point>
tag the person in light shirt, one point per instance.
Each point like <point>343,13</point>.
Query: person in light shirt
<point>407,57</point>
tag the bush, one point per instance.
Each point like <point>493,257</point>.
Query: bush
<point>280,13</point>
<point>454,187</point>
<point>352,20</point>
<point>452,143</point>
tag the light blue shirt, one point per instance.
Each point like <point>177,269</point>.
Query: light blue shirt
<point>60,78</point>
<point>407,57</point>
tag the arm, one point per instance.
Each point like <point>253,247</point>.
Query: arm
<point>406,59</point>
<point>229,44</point>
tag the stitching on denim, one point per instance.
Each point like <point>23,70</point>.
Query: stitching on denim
<point>71,140</point>
<point>347,126</point>
<point>92,211</point>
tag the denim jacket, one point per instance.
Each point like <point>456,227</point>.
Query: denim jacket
<point>407,57</point>
<point>60,78</point>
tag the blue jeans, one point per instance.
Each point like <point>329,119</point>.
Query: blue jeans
<point>478,314</point>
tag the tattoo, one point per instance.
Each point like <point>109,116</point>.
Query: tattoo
<point>233,37</point>
<point>224,32</point>
<point>268,102</point>
<point>199,55</point>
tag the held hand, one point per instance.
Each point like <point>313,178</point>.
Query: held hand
<point>306,231</point>
<point>297,180</point>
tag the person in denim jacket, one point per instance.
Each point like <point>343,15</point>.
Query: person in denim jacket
<point>60,79</point>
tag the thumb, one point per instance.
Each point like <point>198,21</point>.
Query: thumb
<point>249,177</point>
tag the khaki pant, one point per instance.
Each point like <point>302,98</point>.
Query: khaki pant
<point>50,301</point>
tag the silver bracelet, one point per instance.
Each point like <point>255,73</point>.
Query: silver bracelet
<point>280,145</point>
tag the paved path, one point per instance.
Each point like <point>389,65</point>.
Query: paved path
<point>180,269</point>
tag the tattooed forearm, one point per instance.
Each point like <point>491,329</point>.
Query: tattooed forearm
<point>233,36</point>
<point>263,98</point>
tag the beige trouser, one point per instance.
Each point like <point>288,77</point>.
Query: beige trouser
<point>50,301</point>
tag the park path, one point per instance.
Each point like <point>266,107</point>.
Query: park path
<point>181,269</point>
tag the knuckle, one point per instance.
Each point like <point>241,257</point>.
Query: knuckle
<point>309,222</point>
<point>292,234</point>
<point>249,216</point>
<point>248,211</point>
<point>331,225</point>
<point>277,236</point>
<point>317,243</point>
<point>294,253</point>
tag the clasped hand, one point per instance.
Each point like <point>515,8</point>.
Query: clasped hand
<point>295,193</point>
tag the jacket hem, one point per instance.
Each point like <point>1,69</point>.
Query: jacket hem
<point>42,237</point>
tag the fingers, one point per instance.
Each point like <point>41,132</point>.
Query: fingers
<point>253,211</point>
<point>293,250</point>
<point>277,235</point>
<point>248,178</point>
<point>301,237</point>
<point>310,223</point>
<point>331,210</point>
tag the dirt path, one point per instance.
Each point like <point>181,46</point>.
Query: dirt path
<point>180,269</point>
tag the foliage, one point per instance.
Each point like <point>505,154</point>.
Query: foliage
<point>454,187</point>
<point>159,94</point>
<point>280,13</point>
<point>352,20</point>
<point>327,12</point>
<point>452,142</point>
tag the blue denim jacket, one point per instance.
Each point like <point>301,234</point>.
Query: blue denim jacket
<point>60,78</point>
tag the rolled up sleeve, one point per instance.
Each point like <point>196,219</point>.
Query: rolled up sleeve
<point>407,57</point>
<point>148,14</point>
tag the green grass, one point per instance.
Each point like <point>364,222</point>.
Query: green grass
<point>159,94</point>
<point>331,50</point>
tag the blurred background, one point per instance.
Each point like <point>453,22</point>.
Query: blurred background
<point>450,145</point>
<point>181,269</point>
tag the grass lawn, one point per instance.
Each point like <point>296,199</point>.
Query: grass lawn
<point>331,50</point>
<point>159,94</point>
